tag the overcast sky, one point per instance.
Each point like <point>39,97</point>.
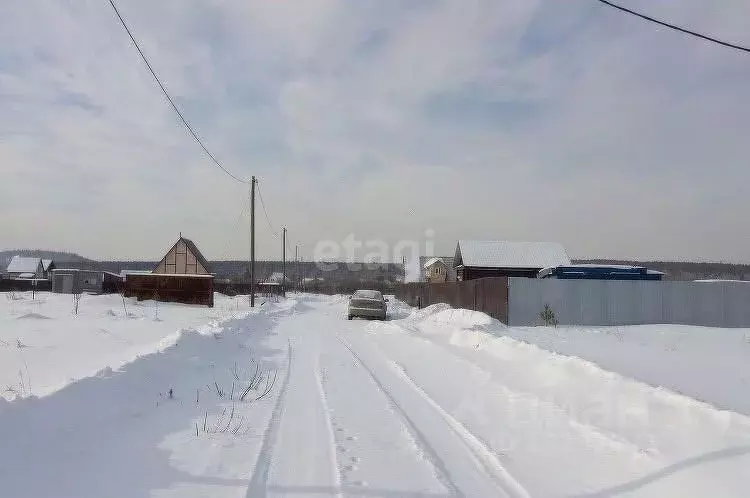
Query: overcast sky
<point>494,119</point>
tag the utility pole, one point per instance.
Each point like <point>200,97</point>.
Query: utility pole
<point>283,259</point>
<point>252,242</point>
<point>296,268</point>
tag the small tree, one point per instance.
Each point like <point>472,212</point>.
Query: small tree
<point>548,316</point>
<point>76,300</point>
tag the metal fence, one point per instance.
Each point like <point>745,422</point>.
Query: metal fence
<point>488,295</point>
<point>613,302</point>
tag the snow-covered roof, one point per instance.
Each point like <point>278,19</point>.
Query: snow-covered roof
<point>610,269</point>
<point>276,278</point>
<point>21,264</point>
<point>594,265</point>
<point>718,280</point>
<point>128,273</point>
<point>135,272</point>
<point>431,262</point>
<point>510,254</point>
<point>72,270</point>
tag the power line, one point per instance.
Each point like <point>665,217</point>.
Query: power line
<point>240,217</point>
<point>676,28</point>
<point>166,94</point>
<point>265,212</point>
<point>268,219</point>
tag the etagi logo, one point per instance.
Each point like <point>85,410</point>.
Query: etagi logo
<point>370,254</point>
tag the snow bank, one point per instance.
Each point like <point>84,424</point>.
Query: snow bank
<point>625,406</point>
<point>460,318</point>
<point>711,365</point>
<point>601,431</point>
<point>708,364</point>
<point>44,346</point>
<point>159,426</point>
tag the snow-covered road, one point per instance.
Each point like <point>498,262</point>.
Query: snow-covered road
<point>366,428</point>
<point>425,405</point>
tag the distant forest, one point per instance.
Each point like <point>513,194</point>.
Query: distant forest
<point>680,270</point>
<point>238,271</point>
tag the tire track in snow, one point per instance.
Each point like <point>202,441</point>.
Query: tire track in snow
<point>482,459</point>
<point>258,482</point>
<point>378,453</point>
<point>492,464</point>
<point>329,426</point>
<point>437,462</point>
<point>583,426</point>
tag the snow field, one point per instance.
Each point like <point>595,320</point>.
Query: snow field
<point>435,402</point>
<point>44,346</point>
<point>120,434</point>
<point>606,427</point>
<point>708,364</point>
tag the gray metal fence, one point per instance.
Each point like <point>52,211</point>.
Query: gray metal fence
<point>616,302</point>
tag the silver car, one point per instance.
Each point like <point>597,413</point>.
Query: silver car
<point>367,304</point>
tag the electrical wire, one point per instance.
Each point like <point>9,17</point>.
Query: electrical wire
<point>169,98</point>
<point>676,28</point>
<point>240,218</point>
<point>265,212</point>
<point>268,219</point>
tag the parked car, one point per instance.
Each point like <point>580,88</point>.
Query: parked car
<point>367,304</point>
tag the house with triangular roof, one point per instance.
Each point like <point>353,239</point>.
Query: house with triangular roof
<point>184,258</point>
<point>437,269</point>
<point>503,258</point>
<point>47,267</point>
<point>182,276</point>
<point>25,267</point>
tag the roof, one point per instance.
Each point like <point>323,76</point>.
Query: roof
<point>510,254</point>
<point>21,264</point>
<point>276,278</point>
<point>135,272</point>
<point>190,247</point>
<point>159,275</point>
<point>717,280</point>
<point>594,270</point>
<point>68,270</point>
<point>194,249</point>
<point>432,261</point>
<point>46,264</point>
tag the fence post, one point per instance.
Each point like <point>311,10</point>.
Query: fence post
<point>476,284</point>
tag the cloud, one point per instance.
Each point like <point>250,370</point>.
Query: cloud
<point>507,119</point>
